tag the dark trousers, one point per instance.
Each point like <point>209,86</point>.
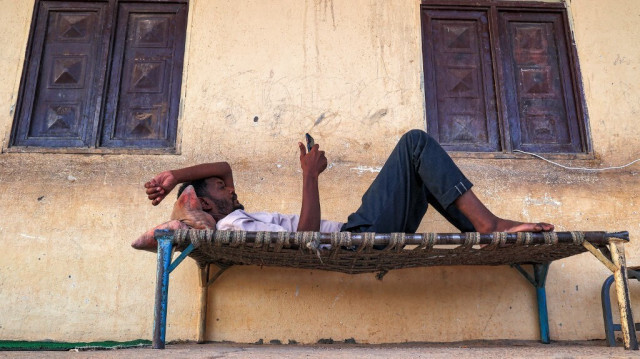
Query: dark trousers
<point>417,173</point>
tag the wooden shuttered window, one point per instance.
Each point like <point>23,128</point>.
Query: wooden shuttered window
<point>102,74</point>
<point>144,89</point>
<point>499,79</point>
<point>537,87</point>
<point>459,82</point>
<point>62,83</point>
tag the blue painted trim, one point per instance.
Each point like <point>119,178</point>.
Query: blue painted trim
<point>609,327</point>
<point>165,243</point>
<point>181,257</point>
<point>538,280</point>
<point>540,273</point>
<point>524,274</point>
<point>542,315</point>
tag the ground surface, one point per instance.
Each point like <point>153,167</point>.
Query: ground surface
<point>476,349</point>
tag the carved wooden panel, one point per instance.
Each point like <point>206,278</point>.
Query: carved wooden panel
<point>459,84</point>
<point>146,75</point>
<point>58,106</point>
<point>63,100</point>
<point>540,103</point>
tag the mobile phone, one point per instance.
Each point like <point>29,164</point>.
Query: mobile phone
<point>310,141</point>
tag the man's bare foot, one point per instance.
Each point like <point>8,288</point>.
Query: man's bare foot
<point>147,242</point>
<point>506,225</point>
<point>486,222</point>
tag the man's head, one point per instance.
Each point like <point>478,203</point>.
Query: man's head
<point>215,197</point>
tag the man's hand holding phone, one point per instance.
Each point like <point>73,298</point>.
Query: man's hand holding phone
<point>310,141</point>
<point>312,160</point>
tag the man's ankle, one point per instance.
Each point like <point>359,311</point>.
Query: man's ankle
<point>488,226</point>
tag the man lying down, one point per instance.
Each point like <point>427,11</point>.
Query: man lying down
<point>418,173</point>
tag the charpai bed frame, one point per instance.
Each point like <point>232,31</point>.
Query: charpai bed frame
<point>355,253</point>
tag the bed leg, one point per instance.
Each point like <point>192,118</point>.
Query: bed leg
<point>540,273</point>
<point>622,291</point>
<point>609,327</point>
<point>539,280</point>
<point>204,289</point>
<point>165,241</point>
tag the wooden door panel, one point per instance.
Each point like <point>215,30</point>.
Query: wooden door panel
<point>146,76</point>
<point>59,98</point>
<point>459,86</point>
<point>540,105</point>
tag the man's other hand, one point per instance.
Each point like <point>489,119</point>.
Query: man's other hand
<point>160,186</point>
<point>312,163</point>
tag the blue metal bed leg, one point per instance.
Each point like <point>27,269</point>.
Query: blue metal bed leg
<point>539,280</point>
<point>165,243</point>
<point>540,273</point>
<point>609,327</point>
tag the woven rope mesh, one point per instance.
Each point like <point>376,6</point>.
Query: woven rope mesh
<point>304,250</point>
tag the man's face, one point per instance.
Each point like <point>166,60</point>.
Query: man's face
<point>223,199</point>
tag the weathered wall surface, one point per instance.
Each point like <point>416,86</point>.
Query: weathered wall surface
<point>258,74</point>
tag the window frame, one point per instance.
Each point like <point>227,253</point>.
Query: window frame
<point>492,8</point>
<point>106,52</point>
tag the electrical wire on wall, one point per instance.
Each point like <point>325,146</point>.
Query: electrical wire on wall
<point>579,168</point>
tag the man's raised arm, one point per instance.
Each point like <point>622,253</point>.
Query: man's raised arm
<point>312,163</point>
<point>162,183</point>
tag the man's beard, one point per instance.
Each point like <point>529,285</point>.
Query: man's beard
<point>236,204</point>
<point>222,207</point>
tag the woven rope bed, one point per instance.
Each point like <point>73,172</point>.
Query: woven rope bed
<point>355,253</point>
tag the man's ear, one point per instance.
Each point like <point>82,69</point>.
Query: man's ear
<point>205,203</point>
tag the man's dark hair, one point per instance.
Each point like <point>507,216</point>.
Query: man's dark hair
<point>200,186</point>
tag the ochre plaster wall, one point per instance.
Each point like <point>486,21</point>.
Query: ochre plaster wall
<point>349,72</point>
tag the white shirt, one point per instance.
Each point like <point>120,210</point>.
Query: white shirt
<point>240,220</point>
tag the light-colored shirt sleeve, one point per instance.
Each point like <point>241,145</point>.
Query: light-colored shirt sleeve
<point>240,220</point>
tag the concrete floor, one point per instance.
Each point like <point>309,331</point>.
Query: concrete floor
<point>475,349</point>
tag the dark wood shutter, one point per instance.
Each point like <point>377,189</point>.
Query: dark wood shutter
<point>62,76</point>
<point>459,81</point>
<point>538,85</point>
<point>502,76</point>
<point>146,75</point>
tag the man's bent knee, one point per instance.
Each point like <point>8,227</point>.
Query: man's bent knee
<point>417,136</point>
